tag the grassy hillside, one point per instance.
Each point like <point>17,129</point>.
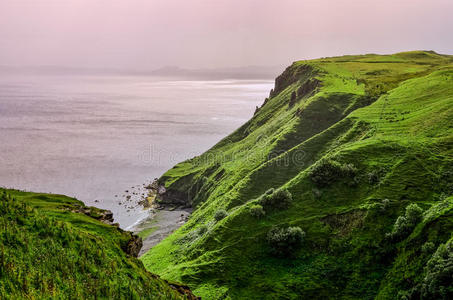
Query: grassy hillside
<point>49,250</point>
<point>355,140</point>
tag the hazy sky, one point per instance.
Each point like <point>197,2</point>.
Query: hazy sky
<point>215,33</point>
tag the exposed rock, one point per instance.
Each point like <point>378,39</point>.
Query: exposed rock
<point>256,110</point>
<point>161,190</point>
<point>291,75</point>
<point>154,185</point>
<point>308,87</point>
<point>102,215</point>
<point>184,290</point>
<point>107,215</point>
<point>134,245</point>
<point>173,197</point>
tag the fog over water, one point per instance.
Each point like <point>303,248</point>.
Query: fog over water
<point>94,137</point>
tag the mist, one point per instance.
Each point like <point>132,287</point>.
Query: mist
<point>149,34</point>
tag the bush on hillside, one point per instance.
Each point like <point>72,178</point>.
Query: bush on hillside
<point>405,224</point>
<point>275,199</point>
<point>285,241</point>
<point>373,177</point>
<point>437,283</point>
<point>257,211</point>
<point>327,171</point>
<point>202,230</point>
<point>220,214</point>
<point>385,203</point>
<point>428,247</point>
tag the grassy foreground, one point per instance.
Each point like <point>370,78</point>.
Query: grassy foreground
<point>355,140</point>
<point>48,250</point>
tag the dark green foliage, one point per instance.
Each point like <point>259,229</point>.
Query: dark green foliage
<point>275,199</point>
<point>428,247</point>
<point>405,224</point>
<point>327,171</point>
<point>44,256</point>
<point>257,211</point>
<point>220,214</point>
<point>316,193</point>
<point>438,282</point>
<point>385,203</point>
<point>373,177</point>
<point>285,242</point>
<point>202,230</point>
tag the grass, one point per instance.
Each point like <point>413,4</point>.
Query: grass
<point>390,116</point>
<point>50,251</point>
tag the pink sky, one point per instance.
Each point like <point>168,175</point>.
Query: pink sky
<point>215,33</point>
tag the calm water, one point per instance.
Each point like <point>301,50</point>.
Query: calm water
<point>94,137</point>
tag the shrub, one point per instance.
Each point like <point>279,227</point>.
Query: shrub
<point>220,214</point>
<point>428,247</point>
<point>327,171</point>
<point>202,230</point>
<point>280,199</point>
<point>373,177</point>
<point>385,204</point>
<point>405,224</point>
<point>413,214</point>
<point>437,283</point>
<point>348,170</point>
<point>257,211</point>
<point>285,241</point>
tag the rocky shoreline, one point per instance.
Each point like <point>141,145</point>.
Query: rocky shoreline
<point>160,224</point>
<point>163,219</point>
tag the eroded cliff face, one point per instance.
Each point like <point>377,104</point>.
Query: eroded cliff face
<point>134,245</point>
<point>291,75</point>
<point>173,197</point>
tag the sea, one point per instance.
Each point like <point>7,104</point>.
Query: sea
<point>103,138</point>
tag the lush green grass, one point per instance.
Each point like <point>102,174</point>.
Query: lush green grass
<point>49,251</point>
<point>390,117</point>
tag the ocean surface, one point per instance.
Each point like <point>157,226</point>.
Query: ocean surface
<point>101,138</point>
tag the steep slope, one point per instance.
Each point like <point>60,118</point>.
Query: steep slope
<point>53,246</point>
<point>355,140</point>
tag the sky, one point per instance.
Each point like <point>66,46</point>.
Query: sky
<point>149,34</point>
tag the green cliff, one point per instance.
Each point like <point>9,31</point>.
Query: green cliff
<point>348,144</point>
<point>54,247</point>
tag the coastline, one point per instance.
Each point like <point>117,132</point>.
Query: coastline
<point>159,224</point>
